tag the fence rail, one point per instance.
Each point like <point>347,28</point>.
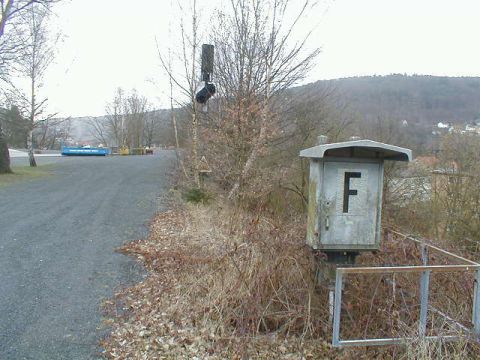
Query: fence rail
<point>424,284</point>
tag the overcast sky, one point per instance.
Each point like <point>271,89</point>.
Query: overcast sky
<point>111,43</point>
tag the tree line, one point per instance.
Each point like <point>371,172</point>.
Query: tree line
<point>131,122</point>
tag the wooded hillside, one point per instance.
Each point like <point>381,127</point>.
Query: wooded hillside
<point>418,99</point>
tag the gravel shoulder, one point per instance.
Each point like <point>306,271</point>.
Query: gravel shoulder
<point>57,240</point>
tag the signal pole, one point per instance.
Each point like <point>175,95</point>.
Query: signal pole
<point>205,93</point>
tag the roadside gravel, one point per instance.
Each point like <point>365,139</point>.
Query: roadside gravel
<point>57,240</point>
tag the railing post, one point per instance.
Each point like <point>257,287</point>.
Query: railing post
<point>424,250</point>
<point>331,303</point>
<point>337,308</point>
<point>389,236</point>
<point>476,304</point>
<point>424,282</point>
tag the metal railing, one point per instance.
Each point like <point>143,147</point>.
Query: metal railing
<point>424,271</point>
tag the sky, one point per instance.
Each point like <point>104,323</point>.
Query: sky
<point>113,43</point>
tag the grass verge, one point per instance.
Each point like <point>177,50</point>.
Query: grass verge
<point>24,173</point>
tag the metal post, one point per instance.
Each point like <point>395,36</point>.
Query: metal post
<point>476,304</point>
<point>331,303</point>
<point>424,250</point>
<point>389,236</point>
<point>337,309</point>
<point>424,282</point>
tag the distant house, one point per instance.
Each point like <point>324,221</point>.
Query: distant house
<point>442,128</point>
<point>456,129</point>
<point>472,128</point>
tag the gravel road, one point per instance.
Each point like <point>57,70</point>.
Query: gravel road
<point>57,239</point>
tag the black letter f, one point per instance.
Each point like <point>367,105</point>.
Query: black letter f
<point>346,188</point>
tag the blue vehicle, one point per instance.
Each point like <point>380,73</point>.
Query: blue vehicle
<point>84,151</point>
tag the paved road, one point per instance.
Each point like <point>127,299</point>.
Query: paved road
<point>57,241</point>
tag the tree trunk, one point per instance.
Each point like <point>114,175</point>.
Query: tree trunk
<point>249,163</point>
<point>31,157</point>
<point>260,141</point>
<point>175,131</point>
<point>4,156</point>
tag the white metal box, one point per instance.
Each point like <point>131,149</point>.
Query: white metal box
<point>345,194</point>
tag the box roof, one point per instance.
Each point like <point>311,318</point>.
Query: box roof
<point>359,149</point>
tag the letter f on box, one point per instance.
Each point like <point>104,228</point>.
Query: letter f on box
<point>347,192</point>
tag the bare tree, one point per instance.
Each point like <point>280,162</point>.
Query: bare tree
<point>115,118</point>
<point>256,62</point>
<point>9,43</point>
<point>192,88</point>
<point>150,128</point>
<point>11,27</point>
<point>37,55</point>
<point>456,190</point>
<point>167,65</point>
<point>51,133</point>
<point>98,127</point>
<point>312,113</point>
<point>10,10</point>
<point>134,109</point>
<point>126,122</point>
<point>11,47</point>
<point>187,82</point>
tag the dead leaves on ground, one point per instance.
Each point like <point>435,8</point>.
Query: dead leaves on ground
<point>159,317</point>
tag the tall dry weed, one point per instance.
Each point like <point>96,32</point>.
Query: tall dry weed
<point>259,277</point>
<point>225,280</point>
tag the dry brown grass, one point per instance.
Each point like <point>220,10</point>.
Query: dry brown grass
<point>222,284</point>
<point>226,283</point>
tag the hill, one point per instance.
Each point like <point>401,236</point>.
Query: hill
<point>418,98</point>
<point>421,100</point>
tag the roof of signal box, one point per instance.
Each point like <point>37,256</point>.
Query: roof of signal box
<point>368,149</point>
